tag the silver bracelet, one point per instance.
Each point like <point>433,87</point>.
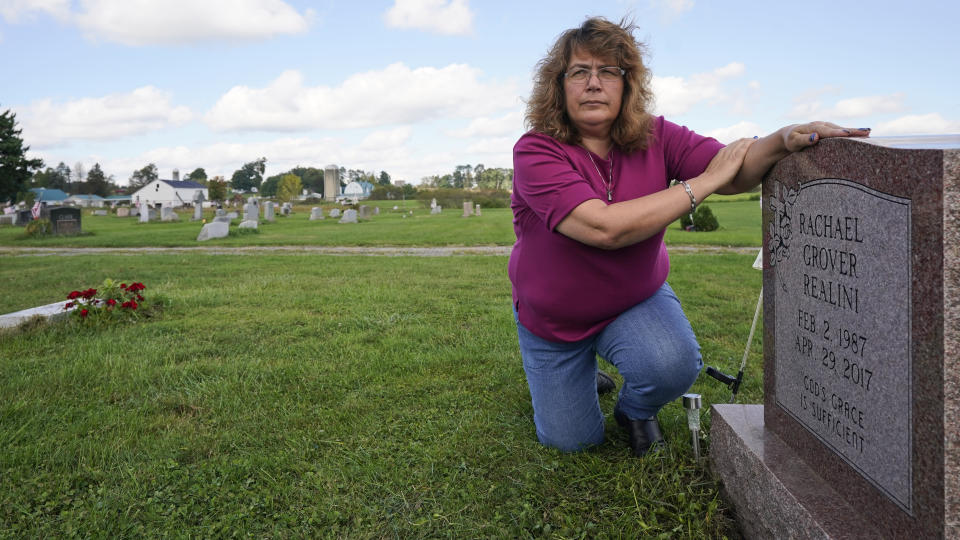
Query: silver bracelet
<point>693,200</point>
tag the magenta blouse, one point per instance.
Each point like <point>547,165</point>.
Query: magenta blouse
<point>564,290</point>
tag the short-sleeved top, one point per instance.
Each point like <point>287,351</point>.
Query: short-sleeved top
<point>565,290</point>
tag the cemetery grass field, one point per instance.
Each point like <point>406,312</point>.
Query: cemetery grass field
<point>739,226</point>
<point>299,395</point>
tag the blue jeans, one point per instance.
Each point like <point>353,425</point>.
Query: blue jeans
<point>651,344</point>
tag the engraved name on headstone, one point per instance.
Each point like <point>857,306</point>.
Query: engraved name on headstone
<point>841,255</point>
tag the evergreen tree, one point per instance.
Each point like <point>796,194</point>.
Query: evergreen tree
<point>15,168</point>
<point>97,183</point>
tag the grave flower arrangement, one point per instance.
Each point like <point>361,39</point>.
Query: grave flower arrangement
<point>113,301</point>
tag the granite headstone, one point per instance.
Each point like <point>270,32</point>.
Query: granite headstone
<point>65,220</point>
<point>349,216</point>
<point>214,229</point>
<point>858,434</point>
<point>167,214</point>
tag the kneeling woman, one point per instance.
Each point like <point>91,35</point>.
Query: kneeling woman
<point>591,202</point>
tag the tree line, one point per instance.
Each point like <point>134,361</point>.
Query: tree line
<point>472,177</point>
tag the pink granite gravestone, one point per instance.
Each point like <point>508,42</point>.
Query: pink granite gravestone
<point>859,433</point>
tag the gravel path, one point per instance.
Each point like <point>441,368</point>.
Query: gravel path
<point>444,251</point>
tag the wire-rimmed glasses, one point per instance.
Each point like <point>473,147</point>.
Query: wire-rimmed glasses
<point>605,74</point>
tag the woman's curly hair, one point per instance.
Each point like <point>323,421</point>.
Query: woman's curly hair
<point>547,110</point>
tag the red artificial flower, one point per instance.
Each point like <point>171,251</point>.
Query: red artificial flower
<point>68,305</point>
<point>133,305</point>
<point>139,298</point>
<point>111,302</point>
<point>74,295</point>
<point>123,285</point>
<point>89,293</point>
<point>84,312</point>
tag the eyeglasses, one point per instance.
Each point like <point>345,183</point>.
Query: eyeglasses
<point>606,74</point>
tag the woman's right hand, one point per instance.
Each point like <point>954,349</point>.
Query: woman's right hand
<point>724,166</point>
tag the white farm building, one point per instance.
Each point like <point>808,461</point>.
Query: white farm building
<point>169,193</point>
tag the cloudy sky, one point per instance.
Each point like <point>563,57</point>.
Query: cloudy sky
<point>416,87</point>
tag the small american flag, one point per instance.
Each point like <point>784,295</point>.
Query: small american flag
<point>36,210</point>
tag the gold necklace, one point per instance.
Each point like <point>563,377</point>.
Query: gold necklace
<point>607,185</point>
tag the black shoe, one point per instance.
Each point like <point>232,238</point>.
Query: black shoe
<point>644,435</point>
<point>605,383</point>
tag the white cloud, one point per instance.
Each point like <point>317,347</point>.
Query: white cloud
<point>46,123</point>
<point>676,95</point>
<point>858,107</point>
<point>451,17</point>
<point>145,22</point>
<point>737,131</point>
<point>380,140</point>
<point>917,124</point>
<point>16,10</point>
<point>394,95</point>
<point>500,146</point>
<point>508,124</point>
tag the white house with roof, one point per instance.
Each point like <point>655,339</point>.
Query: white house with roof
<point>174,193</point>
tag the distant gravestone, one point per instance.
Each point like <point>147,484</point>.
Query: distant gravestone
<point>467,208</point>
<point>249,224</point>
<point>65,220</point>
<point>376,210</point>
<point>433,203</point>
<point>8,219</point>
<point>123,211</point>
<point>167,214</point>
<point>268,212</point>
<point>858,434</point>
<point>24,217</point>
<point>144,213</point>
<point>99,212</point>
<point>251,212</point>
<point>233,215</point>
<point>477,211</point>
<point>350,216</point>
<point>436,209</point>
<point>197,211</point>
<point>287,208</point>
<point>220,212</point>
<point>214,229</point>
<point>363,212</point>
<point>316,213</point>
<point>335,213</point>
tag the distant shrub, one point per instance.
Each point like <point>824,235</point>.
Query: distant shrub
<point>38,228</point>
<point>703,220</point>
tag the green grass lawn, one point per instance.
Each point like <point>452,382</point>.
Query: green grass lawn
<point>306,395</point>
<point>739,226</point>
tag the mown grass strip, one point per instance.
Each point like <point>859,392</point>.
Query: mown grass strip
<point>299,395</point>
